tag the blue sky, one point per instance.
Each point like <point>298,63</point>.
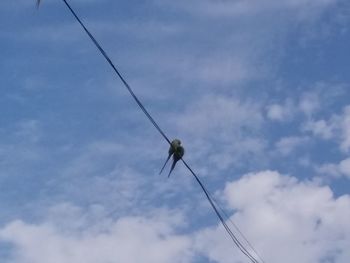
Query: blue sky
<point>256,90</point>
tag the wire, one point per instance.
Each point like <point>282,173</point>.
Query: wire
<point>228,230</point>
<point>117,71</point>
<point>212,203</point>
<point>234,225</point>
<point>240,232</point>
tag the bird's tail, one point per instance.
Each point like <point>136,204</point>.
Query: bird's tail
<point>165,164</point>
<point>172,168</point>
<point>37,3</point>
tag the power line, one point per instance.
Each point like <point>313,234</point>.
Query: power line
<point>228,230</point>
<point>117,72</point>
<point>235,226</point>
<point>212,203</point>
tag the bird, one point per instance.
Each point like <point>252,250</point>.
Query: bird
<point>37,3</point>
<point>175,150</point>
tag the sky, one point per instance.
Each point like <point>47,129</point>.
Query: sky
<point>257,91</point>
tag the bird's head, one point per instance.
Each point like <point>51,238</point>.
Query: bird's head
<point>176,142</point>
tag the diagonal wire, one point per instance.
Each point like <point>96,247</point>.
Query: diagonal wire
<point>117,72</point>
<point>229,231</point>
<point>234,225</point>
<point>211,201</point>
<point>239,231</point>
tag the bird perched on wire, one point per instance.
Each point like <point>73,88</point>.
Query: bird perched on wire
<point>175,150</point>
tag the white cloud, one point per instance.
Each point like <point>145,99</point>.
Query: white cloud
<point>309,103</point>
<point>221,115</point>
<point>320,128</point>
<point>225,124</point>
<point>129,239</point>
<point>302,219</point>
<point>345,129</point>
<point>281,112</point>
<point>305,8</point>
<point>328,169</point>
<point>275,112</point>
<point>285,219</point>
<point>335,170</point>
<point>287,144</point>
<point>344,167</point>
<point>338,127</point>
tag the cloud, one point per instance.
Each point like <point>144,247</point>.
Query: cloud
<point>337,127</point>
<point>345,129</point>
<point>319,98</point>
<point>220,115</point>
<point>225,124</point>
<point>103,154</point>
<point>335,170</point>
<point>287,144</point>
<point>129,239</point>
<point>281,112</point>
<point>328,169</point>
<point>275,112</point>
<point>344,167</point>
<point>309,103</point>
<point>284,218</point>
<point>248,8</point>
<point>302,219</point>
<point>320,128</point>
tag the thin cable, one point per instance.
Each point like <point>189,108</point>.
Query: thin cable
<point>231,221</point>
<point>234,225</point>
<point>228,230</point>
<point>118,73</point>
<point>240,232</point>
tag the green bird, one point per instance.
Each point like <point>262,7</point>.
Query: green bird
<point>175,150</point>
